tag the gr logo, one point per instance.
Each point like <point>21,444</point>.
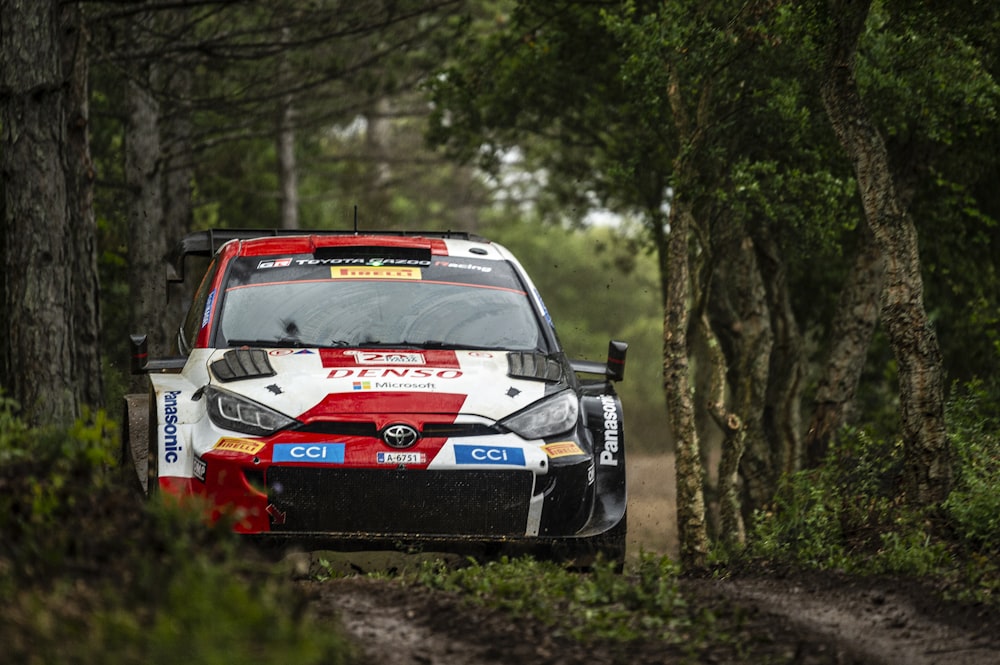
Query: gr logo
<point>488,455</point>
<point>309,453</point>
<point>274,263</point>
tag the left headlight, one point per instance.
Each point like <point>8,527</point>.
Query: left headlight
<point>235,412</point>
<point>548,417</point>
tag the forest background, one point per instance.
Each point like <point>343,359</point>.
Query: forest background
<point>803,196</point>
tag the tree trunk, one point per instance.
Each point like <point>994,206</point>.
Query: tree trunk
<point>147,247</point>
<point>288,180</point>
<point>741,319</point>
<point>178,169</point>
<point>378,144</point>
<point>38,262</point>
<point>914,343</point>
<point>850,336</point>
<point>691,529</point>
<point>786,371</point>
<point>287,173</point>
<point>731,529</point>
<point>82,224</point>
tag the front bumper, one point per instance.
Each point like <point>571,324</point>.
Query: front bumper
<point>383,506</point>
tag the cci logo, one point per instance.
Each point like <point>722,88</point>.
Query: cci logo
<point>488,455</point>
<point>310,453</point>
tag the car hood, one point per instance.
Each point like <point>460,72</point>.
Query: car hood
<point>323,384</point>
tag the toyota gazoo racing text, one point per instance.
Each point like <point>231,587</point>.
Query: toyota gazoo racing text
<point>377,390</point>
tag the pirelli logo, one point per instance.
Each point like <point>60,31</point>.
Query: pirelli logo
<point>374,272</point>
<point>562,449</point>
<point>245,446</point>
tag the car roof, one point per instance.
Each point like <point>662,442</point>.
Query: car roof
<point>309,244</point>
<point>262,242</point>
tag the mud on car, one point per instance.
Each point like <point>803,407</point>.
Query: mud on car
<point>380,390</point>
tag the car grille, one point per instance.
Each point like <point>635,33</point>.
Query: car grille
<point>414,502</point>
<point>369,429</point>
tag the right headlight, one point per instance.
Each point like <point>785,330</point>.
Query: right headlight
<point>235,412</point>
<point>548,417</point>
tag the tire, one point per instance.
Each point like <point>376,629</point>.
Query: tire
<point>584,553</point>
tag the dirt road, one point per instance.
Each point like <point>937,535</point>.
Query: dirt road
<point>809,620</point>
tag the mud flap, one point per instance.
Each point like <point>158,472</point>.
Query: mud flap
<point>135,442</point>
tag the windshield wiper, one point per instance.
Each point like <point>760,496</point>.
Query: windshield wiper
<point>437,344</point>
<point>266,343</point>
<point>427,344</point>
<point>384,345</point>
<point>343,343</point>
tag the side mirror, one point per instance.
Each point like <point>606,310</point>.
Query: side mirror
<point>616,360</point>
<point>138,353</point>
<point>613,369</point>
<point>139,362</point>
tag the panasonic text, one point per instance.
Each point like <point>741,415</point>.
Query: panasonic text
<point>609,456</point>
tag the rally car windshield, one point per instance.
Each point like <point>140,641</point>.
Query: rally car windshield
<point>472,307</point>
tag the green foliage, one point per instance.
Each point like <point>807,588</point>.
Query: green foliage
<point>211,616</point>
<point>48,474</point>
<point>91,576</point>
<point>959,99</point>
<point>801,526</point>
<point>601,605</point>
<point>540,78</point>
<point>13,430</point>
<point>816,205</point>
<point>940,123</point>
<point>974,504</point>
<point>848,514</point>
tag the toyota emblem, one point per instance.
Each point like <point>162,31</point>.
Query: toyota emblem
<point>400,436</point>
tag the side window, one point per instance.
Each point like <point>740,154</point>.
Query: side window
<point>198,315</point>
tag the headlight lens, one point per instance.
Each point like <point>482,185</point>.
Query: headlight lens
<point>234,412</point>
<point>549,417</point>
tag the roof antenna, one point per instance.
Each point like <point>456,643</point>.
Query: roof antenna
<point>355,219</point>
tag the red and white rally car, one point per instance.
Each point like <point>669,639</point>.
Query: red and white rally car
<point>374,390</point>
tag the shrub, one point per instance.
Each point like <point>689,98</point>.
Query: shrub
<point>91,576</point>
<point>849,514</point>
<point>974,504</point>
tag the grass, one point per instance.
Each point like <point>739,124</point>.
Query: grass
<point>598,606</point>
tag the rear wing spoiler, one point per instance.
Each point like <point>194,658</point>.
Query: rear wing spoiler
<point>613,369</point>
<point>207,243</point>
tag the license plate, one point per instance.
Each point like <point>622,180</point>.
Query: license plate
<point>401,458</point>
